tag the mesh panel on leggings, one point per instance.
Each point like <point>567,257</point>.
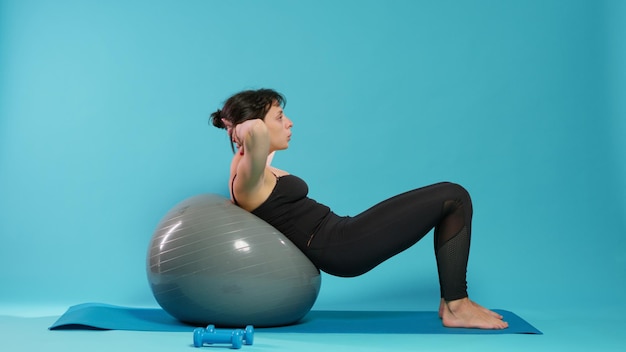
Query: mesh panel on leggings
<point>452,259</point>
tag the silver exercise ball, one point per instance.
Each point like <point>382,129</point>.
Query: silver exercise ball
<point>211,262</point>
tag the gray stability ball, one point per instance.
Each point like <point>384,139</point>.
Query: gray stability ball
<point>211,262</point>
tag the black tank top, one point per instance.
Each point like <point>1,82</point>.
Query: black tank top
<point>290,211</point>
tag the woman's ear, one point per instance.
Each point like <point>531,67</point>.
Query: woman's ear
<point>229,126</point>
<point>227,123</point>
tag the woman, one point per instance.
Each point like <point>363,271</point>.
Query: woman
<point>348,246</point>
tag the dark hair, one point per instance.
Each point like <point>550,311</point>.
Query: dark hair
<point>247,105</point>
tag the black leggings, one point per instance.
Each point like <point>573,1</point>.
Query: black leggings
<point>350,246</point>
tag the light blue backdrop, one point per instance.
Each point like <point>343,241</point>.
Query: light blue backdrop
<point>104,127</point>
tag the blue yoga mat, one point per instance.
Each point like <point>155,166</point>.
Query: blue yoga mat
<point>97,316</point>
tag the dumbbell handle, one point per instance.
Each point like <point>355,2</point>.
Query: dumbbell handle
<point>202,336</point>
<point>248,333</point>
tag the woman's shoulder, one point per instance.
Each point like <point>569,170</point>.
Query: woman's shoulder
<point>255,196</point>
<point>278,172</point>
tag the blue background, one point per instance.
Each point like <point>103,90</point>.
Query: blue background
<point>104,112</point>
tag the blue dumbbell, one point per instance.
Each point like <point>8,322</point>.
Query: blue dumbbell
<point>202,336</point>
<point>248,333</point>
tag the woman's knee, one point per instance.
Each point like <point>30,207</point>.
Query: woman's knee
<point>458,193</point>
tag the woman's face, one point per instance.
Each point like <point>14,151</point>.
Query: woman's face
<point>279,127</point>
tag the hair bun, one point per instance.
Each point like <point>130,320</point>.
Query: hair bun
<point>216,118</point>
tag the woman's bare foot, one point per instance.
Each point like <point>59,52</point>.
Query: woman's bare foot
<point>443,305</point>
<point>463,313</point>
